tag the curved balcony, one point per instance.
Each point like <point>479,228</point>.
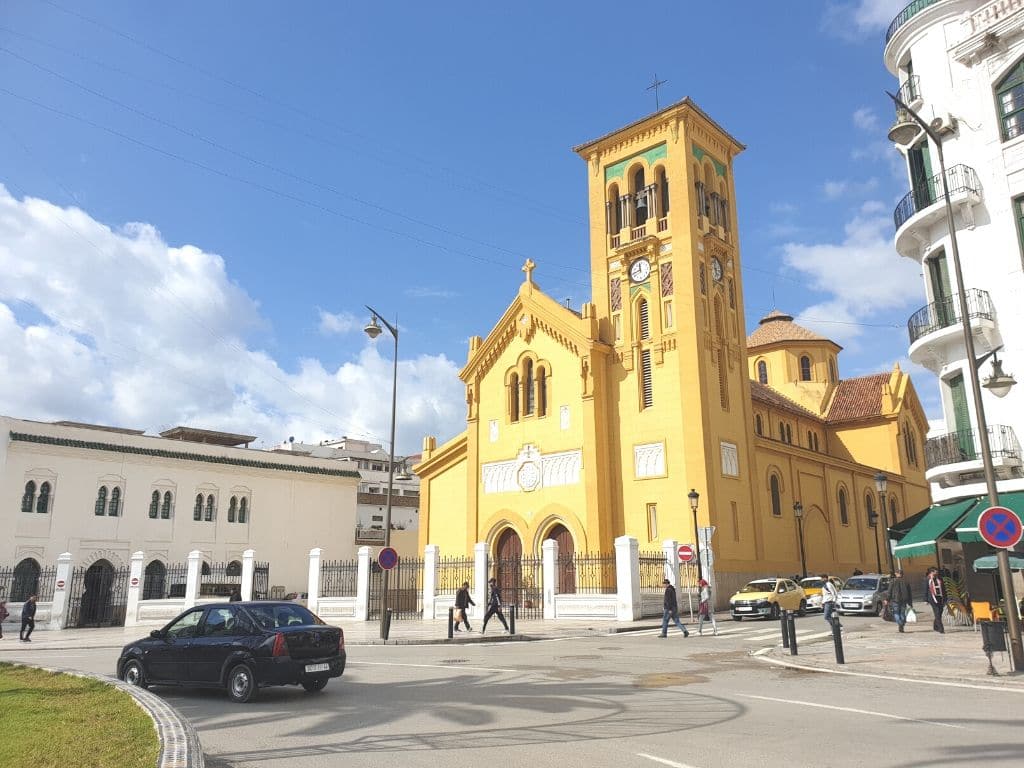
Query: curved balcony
<point>906,15</point>
<point>955,458</point>
<point>923,205</point>
<point>935,332</point>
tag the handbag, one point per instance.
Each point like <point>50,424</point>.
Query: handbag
<point>458,615</point>
<point>911,615</point>
<point>887,612</point>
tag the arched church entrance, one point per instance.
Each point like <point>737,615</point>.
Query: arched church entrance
<point>99,595</point>
<point>818,550</point>
<point>519,577</point>
<point>566,563</point>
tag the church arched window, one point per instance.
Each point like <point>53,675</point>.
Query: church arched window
<point>528,389</point>
<point>513,397</point>
<point>542,391</point>
<point>762,371</point>
<point>758,425</point>
<point>776,493</point>
<point>640,196</point>
<point>844,515</point>
<point>663,192</point>
<point>644,317</point>
<point>869,507</point>
<point>805,368</point>
<point>612,211</point>
<point>646,382</point>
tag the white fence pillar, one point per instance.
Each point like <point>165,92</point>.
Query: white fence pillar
<point>313,588</point>
<point>61,604</point>
<point>627,576</point>
<point>131,615</point>
<point>362,609</point>
<point>480,577</point>
<point>549,575</point>
<point>430,555</point>
<point>671,550</point>
<point>248,570</point>
<point>194,571</point>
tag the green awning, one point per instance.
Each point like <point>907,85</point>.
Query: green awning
<point>988,563</point>
<point>967,529</point>
<point>933,525</point>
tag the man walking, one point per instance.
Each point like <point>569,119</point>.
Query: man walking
<point>671,609</point>
<point>462,603</point>
<point>494,606</point>
<point>900,598</point>
<point>829,596</point>
<point>28,619</point>
<point>936,597</point>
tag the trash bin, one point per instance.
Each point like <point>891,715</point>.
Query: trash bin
<point>993,636</point>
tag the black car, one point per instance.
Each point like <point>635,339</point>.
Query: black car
<point>240,646</point>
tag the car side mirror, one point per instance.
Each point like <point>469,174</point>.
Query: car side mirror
<point>157,634</point>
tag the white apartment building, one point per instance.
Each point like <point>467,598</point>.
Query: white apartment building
<point>960,65</point>
<point>102,493</point>
<point>371,460</point>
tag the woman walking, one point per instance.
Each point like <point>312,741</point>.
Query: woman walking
<point>706,610</point>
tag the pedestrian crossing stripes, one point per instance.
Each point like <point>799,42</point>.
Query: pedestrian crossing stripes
<point>753,633</point>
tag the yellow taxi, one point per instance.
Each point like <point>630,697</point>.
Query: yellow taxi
<point>812,586</point>
<point>767,598</point>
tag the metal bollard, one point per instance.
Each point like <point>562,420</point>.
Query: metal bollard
<point>837,639</point>
<point>784,620</point>
<point>386,625</point>
<point>512,619</point>
<point>451,623</point>
<point>792,635</point>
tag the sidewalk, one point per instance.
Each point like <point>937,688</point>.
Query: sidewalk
<point>875,647</point>
<point>403,632</point>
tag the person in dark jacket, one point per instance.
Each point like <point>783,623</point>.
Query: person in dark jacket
<point>935,594</point>
<point>236,595</point>
<point>671,610</point>
<point>28,619</point>
<point>494,606</point>
<point>462,603</point>
<point>4,613</point>
<point>900,598</point>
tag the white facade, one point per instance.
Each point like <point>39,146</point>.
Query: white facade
<point>291,503</point>
<point>956,62</point>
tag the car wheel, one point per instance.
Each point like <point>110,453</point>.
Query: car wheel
<point>133,674</point>
<point>775,611</point>
<point>242,686</point>
<point>312,686</point>
<point>802,610</point>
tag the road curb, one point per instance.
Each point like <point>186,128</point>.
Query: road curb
<point>179,742</point>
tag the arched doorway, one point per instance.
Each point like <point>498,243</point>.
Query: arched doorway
<point>566,565</point>
<point>25,581</point>
<point>818,550</point>
<point>154,586</point>
<point>99,595</point>
<point>519,577</point>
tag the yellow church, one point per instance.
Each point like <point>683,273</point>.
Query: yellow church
<point>586,426</point>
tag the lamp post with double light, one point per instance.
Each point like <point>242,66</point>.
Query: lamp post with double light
<point>373,330</point>
<point>881,485</point>
<point>694,498</point>
<point>798,513</point>
<point>905,132</point>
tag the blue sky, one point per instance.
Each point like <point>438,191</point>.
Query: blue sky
<point>200,197</point>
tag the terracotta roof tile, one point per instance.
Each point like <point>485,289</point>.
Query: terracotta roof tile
<point>764,394</point>
<point>858,398</point>
<point>777,326</point>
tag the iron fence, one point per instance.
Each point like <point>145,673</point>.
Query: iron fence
<point>521,581</point>
<point>26,578</point>
<point>945,313</point>
<point>926,192</point>
<point>160,581</point>
<point>453,572</point>
<point>586,574</point>
<point>339,578</point>
<point>405,589</point>
<point>220,579</point>
<point>652,571</point>
<point>261,581</point>
<point>965,445</point>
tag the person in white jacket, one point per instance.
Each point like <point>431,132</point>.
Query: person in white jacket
<point>706,610</point>
<point>829,596</point>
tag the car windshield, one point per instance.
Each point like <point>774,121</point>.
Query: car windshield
<point>860,583</point>
<point>759,586</point>
<point>811,583</point>
<point>274,615</point>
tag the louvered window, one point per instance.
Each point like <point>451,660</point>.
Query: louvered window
<point>101,501</point>
<point>115,502</point>
<point>197,513</point>
<point>645,378</point>
<point>232,507</point>
<point>165,510</point>
<point>531,395</point>
<point>154,505</point>
<point>28,499</point>
<point>645,320</point>
<point>723,380</point>
<point>209,508</point>
<point>243,510</point>
<point>513,397</point>
<point>542,391</point>
<point>43,503</point>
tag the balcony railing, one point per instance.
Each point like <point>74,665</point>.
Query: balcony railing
<point>964,445</point>
<point>910,91</point>
<point>926,192</point>
<point>906,15</point>
<point>369,535</point>
<point>946,312</point>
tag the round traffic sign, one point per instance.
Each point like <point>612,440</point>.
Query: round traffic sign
<point>1000,527</point>
<point>135,582</point>
<point>686,553</point>
<point>387,558</point>
<point>60,583</point>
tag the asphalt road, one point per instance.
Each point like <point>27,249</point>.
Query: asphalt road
<point>624,700</point>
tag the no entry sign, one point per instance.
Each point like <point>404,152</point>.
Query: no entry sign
<point>1000,527</point>
<point>686,553</point>
<point>388,558</point>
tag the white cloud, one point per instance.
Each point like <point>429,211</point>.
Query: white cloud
<point>865,119</point>
<point>859,277</point>
<point>118,327</point>
<point>854,21</point>
<point>833,190</point>
<point>342,322</point>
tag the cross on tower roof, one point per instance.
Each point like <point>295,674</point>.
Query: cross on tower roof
<point>528,268</point>
<point>654,87</point>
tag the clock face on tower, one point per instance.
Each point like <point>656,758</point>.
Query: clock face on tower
<point>639,270</point>
<point>716,269</point>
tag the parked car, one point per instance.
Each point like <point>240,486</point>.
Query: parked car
<point>242,647</point>
<point>863,594</point>
<point>812,586</point>
<point>766,598</point>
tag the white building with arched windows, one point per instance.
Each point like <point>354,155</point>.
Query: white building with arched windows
<point>960,65</point>
<point>102,493</point>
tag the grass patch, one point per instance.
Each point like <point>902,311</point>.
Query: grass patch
<point>49,719</point>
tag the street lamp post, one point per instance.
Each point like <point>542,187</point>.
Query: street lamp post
<point>873,522</point>
<point>798,513</point>
<point>373,330</point>
<point>1002,556</point>
<point>881,484</point>
<point>694,498</point>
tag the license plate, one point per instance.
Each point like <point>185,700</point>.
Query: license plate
<point>318,668</point>
<point>850,605</point>
<point>743,609</point>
